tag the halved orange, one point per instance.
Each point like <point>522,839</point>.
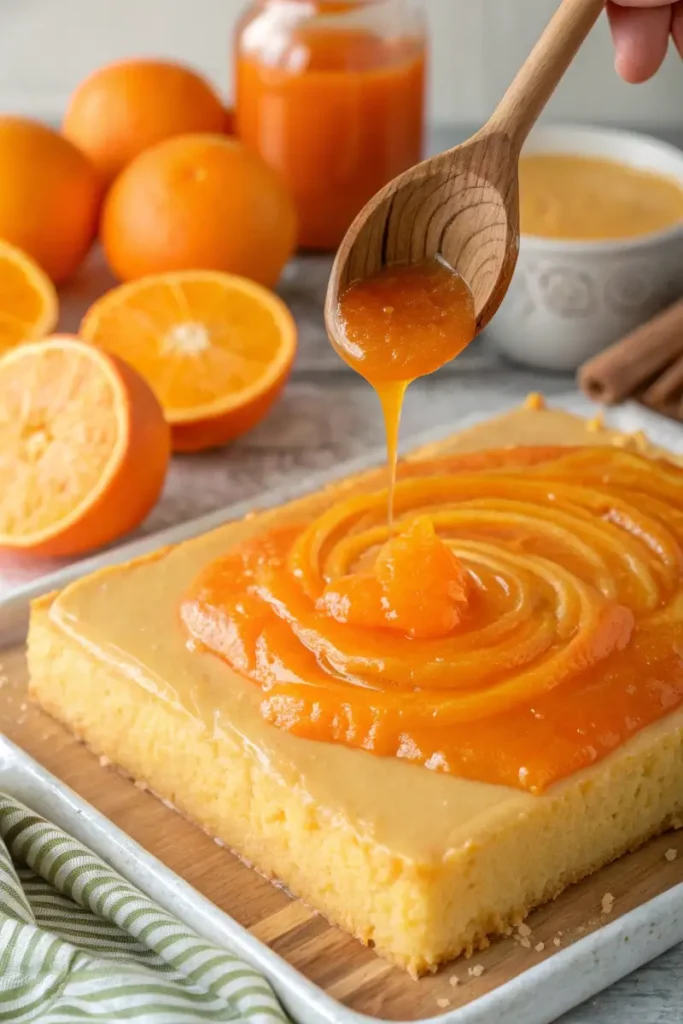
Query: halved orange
<point>84,448</point>
<point>28,300</point>
<point>215,348</point>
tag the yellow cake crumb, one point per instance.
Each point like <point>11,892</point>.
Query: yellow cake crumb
<point>557,942</point>
<point>454,981</point>
<point>607,903</point>
<point>671,854</point>
<point>524,930</point>
<point>443,1003</point>
<point>476,971</point>
<point>596,423</point>
<point>540,947</point>
<point>633,442</point>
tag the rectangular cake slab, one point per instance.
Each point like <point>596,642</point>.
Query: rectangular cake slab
<point>421,865</point>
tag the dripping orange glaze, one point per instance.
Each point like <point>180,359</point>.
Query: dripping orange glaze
<point>401,324</point>
<point>521,618</point>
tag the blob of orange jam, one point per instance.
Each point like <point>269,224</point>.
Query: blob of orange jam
<point>382,599</point>
<point>521,618</point>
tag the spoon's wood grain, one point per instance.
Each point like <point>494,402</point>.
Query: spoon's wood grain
<point>464,204</point>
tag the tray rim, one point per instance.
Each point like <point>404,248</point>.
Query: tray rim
<point>555,985</point>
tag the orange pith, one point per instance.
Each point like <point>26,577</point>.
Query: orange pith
<point>216,349</point>
<point>84,448</point>
<point>28,300</point>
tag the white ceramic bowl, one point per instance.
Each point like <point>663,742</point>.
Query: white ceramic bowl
<point>568,300</point>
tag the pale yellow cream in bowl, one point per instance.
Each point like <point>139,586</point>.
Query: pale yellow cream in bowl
<point>601,246</point>
<point>589,198</point>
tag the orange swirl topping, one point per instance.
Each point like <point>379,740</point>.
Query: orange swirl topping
<point>521,617</point>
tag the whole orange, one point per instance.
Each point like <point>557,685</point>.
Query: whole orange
<point>199,202</point>
<point>49,196</point>
<point>126,107</point>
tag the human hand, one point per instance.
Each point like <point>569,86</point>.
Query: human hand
<point>641,30</point>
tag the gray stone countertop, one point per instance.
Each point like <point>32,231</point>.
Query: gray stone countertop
<point>328,415</point>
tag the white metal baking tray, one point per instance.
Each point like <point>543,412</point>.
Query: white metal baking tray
<point>537,996</point>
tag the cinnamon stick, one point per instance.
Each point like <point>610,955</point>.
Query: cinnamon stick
<point>631,366</point>
<point>666,393</point>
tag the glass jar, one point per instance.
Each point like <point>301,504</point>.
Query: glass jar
<point>332,95</point>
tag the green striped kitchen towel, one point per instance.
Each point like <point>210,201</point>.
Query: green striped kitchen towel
<point>78,943</point>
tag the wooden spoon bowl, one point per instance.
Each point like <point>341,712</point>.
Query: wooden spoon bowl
<point>453,205</point>
<point>463,205</point>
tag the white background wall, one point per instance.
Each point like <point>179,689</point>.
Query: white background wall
<point>46,46</point>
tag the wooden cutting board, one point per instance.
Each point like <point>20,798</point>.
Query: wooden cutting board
<point>333,960</point>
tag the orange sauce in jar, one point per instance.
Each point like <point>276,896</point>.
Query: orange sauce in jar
<point>337,111</point>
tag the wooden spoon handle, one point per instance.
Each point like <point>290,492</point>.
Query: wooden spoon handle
<point>540,74</point>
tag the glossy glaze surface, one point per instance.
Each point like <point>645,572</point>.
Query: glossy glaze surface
<point>521,619</point>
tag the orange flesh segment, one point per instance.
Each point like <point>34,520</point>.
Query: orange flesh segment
<point>52,409</point>
<point>569,640</point>
<point>204,341</point>
<point>28,301</point>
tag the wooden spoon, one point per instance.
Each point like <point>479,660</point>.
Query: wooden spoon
<point>464,203</point>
